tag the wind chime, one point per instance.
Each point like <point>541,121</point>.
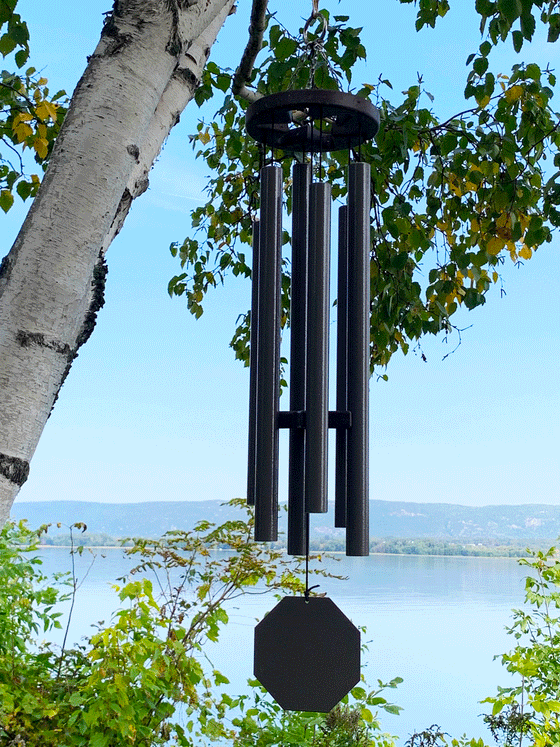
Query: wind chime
<point>307,652</point>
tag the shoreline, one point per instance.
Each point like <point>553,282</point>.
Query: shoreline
<point>514,551</point>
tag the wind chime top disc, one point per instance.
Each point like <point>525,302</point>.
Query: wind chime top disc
<point>312,120</point>
<point>307,654</point>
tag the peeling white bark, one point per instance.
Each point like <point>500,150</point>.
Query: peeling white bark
<point>142,74</point>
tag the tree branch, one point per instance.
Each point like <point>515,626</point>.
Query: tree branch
<point>257,28</point>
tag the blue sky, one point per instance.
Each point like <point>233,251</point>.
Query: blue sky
<point>155,407</point>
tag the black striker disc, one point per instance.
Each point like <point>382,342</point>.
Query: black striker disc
<point>312,120</point>
<point>307,654</point>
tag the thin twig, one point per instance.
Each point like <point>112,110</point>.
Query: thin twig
<point>73,597</point>
<point>19,93</point>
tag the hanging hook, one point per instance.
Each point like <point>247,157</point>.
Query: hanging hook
<point>314,15</point>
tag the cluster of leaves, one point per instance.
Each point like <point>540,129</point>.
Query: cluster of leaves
<point>225,220</point>
<point>532,706</point>
<point>498,18</point>
<point>452,200</point>
<point>126,683</point>
<point>30,117</point>
<point>434,737</point>
<point>353,723</point>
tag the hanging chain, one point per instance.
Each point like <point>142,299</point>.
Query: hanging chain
<point>316,45</point>
<point>322,34</point>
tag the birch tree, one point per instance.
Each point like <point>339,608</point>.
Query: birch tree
<point>142,74</point>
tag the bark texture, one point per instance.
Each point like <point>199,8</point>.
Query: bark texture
<point>142,74</point>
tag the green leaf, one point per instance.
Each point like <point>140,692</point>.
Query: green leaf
<point>21,57</point>
<point>285,48</point>
<point>395,709</point>
<point>553,27</point>
<point>480,65</point>
<point>509,9</point>
<point>223,82</point>
<point>7,44</point>
<point>24,189</point>
<point>517,39</point>
<point>6,200</point>
<point>527,25</point>
<point>6,10</point>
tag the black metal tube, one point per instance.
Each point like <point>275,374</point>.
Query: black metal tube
<point>268,356</point>
<point>341,460</point>
<point>253,361</point>
<point>359,206</point>
<point>298,357</point>
<point>317,410</point>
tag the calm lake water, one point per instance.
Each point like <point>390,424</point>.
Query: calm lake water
<point>437,622</point>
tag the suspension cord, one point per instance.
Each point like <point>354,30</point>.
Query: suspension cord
<point>308,589</point>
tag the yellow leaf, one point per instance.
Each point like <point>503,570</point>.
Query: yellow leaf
<point>503,220</point>
<point>22,117</point>
<point>204,137</point>
<point>495,245</point>
<point>455,187</point>
<point>45,111</point>
<point>484,102</point>
<point>525,252</point>
<point>41,147</point>
<point>22,131</point>
<point>513,94</point>
<point>495,276</point>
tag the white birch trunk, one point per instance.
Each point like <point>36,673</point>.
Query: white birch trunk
<point>141,76</point>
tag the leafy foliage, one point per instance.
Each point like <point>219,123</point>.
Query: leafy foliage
<point>532,706</point>
<point>452,200</point>
<point>127,683</point>
<point>353,723</point>
<point>433,736</point>
<point>30,117</point>
<point>140,680</point>
<point>499,17</point>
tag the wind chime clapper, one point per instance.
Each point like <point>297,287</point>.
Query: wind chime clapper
<point>311,122</point>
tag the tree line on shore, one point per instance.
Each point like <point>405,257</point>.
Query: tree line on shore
<point>383,546</point>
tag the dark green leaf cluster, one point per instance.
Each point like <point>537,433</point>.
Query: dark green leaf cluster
<point>429,11</point>
<point>15,34</point>
<point>500,19</point>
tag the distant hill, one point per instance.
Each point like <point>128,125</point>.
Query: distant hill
<point>387,519</point>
